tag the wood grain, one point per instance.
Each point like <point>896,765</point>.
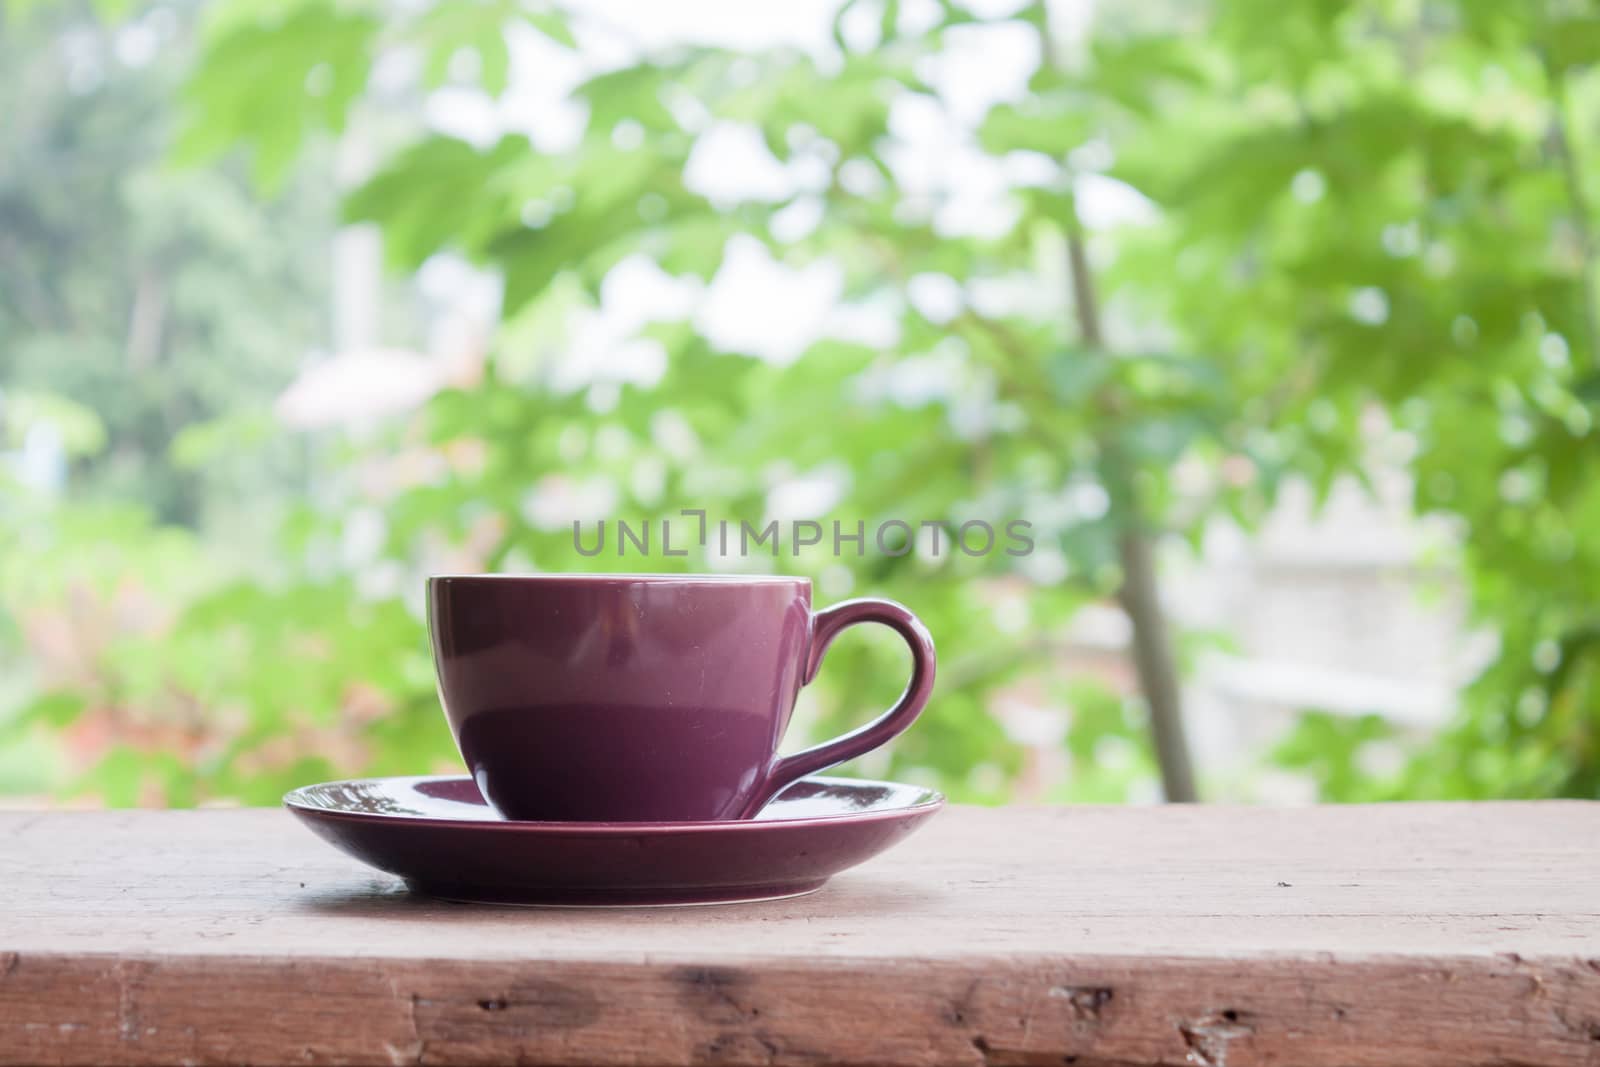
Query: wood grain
<point>1213,937</point>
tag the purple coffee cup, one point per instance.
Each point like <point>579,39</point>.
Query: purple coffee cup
<point>644,698</point>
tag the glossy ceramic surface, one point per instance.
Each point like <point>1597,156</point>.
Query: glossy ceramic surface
<point>643,697</point>
<point>442,838</point>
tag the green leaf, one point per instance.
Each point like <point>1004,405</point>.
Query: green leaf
<point>631,93</point>
<point>477,29</point>
<point>268,84</point>
<point>1571,42</point>
<point>57,709</point>
<point>445,193</point>
<point>553,25</point>
<point>1052,126</point>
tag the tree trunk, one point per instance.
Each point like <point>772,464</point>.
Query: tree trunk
<point>1153,660</point>
<point>1139,593</point>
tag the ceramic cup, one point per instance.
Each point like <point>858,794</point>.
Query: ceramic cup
<point>644,698</point>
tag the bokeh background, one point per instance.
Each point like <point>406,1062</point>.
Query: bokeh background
<point>1277,321</point>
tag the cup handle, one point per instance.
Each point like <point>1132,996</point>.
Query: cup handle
<point>825,626</point>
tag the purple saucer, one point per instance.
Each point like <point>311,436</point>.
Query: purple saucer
<point>442,838</point>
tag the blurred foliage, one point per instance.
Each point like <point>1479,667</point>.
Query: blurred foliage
<point>1395,212</point>
<point>1362,211</point>
<point>155,299</point>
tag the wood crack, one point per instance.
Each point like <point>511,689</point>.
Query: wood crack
<point>1208,1039</point>
<point>413,1051</point>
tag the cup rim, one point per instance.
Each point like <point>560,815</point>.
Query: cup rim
<point>601,576</point>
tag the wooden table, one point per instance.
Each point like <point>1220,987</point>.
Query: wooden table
<point>1213,937</point>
